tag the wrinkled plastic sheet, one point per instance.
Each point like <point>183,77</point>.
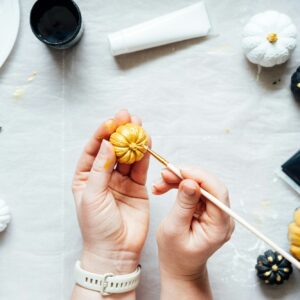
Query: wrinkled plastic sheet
<point>201,101</point>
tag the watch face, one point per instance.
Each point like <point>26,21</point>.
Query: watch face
<point>292,168</point>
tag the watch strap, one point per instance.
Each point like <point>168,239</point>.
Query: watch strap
<point>107,283</point>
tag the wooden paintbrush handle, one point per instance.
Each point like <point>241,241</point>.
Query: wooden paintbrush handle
<point>240,220</point>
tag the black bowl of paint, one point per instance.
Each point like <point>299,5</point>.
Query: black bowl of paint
<point>57,23</point>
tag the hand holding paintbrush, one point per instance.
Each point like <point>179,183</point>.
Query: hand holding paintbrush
<point>190,233</point>
<point>130,142</point>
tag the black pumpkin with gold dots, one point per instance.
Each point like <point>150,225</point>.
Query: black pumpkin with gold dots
<point>273,268</point>
<point>295,84</point>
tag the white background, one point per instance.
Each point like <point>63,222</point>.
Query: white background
<point>200,101</point>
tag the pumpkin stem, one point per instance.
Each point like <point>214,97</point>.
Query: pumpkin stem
<point>133,146</point>
<point>272,37</point>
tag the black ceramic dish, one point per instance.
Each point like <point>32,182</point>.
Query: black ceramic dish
<point>57,23</point>
<point>292,168</point>
<point>295,84</point>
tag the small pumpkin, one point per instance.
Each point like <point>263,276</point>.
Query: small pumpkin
<point>273,268</point>
<point>295,84</point>
<point>269,38</point>
<point>129,141</point>
<point>294,235</point>
<point>4,215</point>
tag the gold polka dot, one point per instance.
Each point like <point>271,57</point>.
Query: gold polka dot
<point>268,273</point>
<point>286,270</point>
<point>275,268</point>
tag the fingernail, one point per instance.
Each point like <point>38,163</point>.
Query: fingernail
<point>163,172</point>
<point>157,181</point>
<point>189,190</point>
<point>153,189</point>
<point>155,185</point>
<point>104,150</point>
<point>110,125</point>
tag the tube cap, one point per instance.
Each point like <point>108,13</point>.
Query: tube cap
<point>117,43</point>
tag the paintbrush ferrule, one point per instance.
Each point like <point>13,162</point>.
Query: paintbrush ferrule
<point>157,156</point>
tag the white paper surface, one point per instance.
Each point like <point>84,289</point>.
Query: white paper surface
<point>201,103</point>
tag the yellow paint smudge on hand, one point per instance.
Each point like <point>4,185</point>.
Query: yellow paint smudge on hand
<point>107,165</point>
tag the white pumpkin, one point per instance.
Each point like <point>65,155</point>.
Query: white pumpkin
<point>269,38</point>
<point>4,215</point>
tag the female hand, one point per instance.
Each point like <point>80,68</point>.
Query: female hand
<point>185,242</point>
<point>112,203</point>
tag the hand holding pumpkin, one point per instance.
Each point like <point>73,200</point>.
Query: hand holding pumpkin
<point>130,142</point>
<point>112,203</point>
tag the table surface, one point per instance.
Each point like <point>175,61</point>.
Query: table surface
<point>200,100</point>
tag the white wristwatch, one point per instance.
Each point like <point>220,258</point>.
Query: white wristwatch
<point>107,283</point>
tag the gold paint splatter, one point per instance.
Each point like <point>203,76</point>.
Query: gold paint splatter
<point>32,76</point>
<point>227,130</point>
<point>265,203</point>
<point>278,278</point>
<point>270,258</point>
<point>19,92</point>
<point>279,257</point>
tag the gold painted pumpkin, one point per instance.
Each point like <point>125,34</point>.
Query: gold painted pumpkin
<point>129,141</point>
<point>294,235</point>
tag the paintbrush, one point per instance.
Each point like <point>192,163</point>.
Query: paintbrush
<point>227,210</point>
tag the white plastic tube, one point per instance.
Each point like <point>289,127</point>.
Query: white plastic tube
<point>187,23</point>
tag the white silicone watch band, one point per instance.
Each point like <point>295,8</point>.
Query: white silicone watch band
<point>107,283</point>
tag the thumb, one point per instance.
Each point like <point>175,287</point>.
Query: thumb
<point>186,203</point>
<point>102,169</point>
